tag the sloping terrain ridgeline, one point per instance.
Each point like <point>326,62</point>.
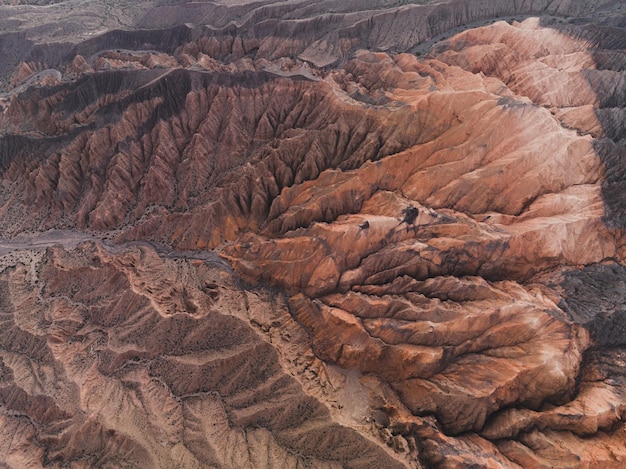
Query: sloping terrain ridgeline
<point>420,238</point>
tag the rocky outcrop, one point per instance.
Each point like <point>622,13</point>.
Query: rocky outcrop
<point>168,372</point>
<point>446,229</point>
<point>454,307</point>
<point>320,32</point>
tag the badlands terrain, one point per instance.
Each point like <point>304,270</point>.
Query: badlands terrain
<point>313,234</point>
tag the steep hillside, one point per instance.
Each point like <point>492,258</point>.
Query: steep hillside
<point>318,234</point>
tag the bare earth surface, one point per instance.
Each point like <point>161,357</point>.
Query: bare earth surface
<point>313,234</point>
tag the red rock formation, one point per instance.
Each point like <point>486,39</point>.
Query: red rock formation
<point>447,230</point>
<point>498,204</point>
<point>22,73</point>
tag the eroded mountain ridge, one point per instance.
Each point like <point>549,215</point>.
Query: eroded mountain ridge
<point>427,249</point>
